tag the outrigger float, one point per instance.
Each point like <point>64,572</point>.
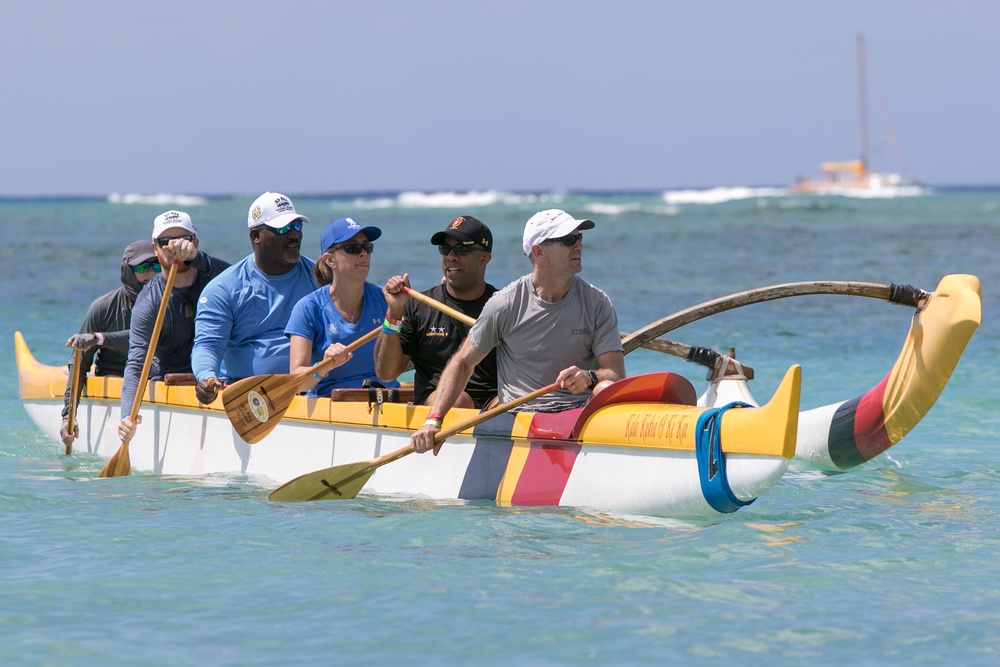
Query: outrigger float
<point>646,445</point>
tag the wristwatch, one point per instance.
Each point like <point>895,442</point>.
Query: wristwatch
<point>593,378</point>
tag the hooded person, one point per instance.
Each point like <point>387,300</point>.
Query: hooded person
<point>103,336</point>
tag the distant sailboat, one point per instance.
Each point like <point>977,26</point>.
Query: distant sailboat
<point>853,177</point>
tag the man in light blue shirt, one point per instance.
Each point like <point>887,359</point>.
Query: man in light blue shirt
<point>241,316</point>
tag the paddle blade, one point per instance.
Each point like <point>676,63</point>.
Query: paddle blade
<point>255,405</point>
<point>119,465</point>
<point>337,483</point>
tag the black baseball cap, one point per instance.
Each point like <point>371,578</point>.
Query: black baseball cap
<point>467,231</point>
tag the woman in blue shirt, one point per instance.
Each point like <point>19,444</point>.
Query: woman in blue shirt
<point>343,309</point>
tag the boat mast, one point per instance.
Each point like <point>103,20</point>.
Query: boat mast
<point>863,101</point>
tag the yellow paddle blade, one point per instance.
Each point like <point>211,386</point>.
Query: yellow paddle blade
<point>118,465</point>
<point>337,483</point>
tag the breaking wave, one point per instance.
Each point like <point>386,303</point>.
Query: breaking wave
<point>162,199</point>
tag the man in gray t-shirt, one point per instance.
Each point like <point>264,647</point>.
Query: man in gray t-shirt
<point>548,326</point>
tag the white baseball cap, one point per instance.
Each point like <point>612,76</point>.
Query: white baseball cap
<point>550,224</point>
<point>274,210</point>
<point>171,219</point>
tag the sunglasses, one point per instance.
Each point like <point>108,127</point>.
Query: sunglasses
<point>294,225</point>
<point>355,248</point>
<point>459,250</point>
<point>163,241</point>
<point>142,267</point>
<point>569,240</point>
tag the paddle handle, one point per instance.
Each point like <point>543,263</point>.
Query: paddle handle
<point>434,303</point>
<point>490,414</point>
<point>74,393</point>
<point>442,435</point>
<point>327,363</point>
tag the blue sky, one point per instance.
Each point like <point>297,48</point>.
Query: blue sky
<point>324,97</point>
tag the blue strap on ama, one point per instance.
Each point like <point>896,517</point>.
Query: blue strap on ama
<point>712,462</point>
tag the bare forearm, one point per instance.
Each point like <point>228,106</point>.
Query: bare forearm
<point>389,358</point>
<point>453,381</point>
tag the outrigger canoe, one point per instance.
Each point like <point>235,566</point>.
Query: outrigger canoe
<point>646,445</point>
<point>633,451</point>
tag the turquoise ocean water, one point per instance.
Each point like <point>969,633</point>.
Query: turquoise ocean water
<point>892,562</point>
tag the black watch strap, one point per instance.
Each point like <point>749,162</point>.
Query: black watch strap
<point>593,378</point>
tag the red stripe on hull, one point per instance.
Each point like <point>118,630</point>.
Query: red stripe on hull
<point>870,436</point>
<point>545,474</point>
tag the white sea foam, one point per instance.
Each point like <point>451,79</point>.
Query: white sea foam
<point>448,199</point>
<point>451,199</point>
<point>369,204</point>
<point>162,199</point>
<point>719,195</point>
<point>610,209</point>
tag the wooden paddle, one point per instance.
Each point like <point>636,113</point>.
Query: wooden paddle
<point>345,481</point>
<point>74,395</point>
<point>255,404</point>
<point>119,464</point>
<point>900,294</point>
<point>434,303</point>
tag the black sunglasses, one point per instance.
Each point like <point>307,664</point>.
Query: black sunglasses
<point>459,250</point>
<point>142,267</point>
<point>163,241</point>
<point>355,248</point>
<point>295,225</point>
<point>569,240</point>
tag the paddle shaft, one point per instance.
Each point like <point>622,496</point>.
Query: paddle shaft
<point>327,363</point>
<point>74,394</point>
<point>443,434</point>
<point>434,303</point>
<point>119,464</point>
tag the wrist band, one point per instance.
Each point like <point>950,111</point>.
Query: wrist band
<point>435,415</point>
<point>318,376</point>
<point>100,338</point>
<point>391,326</point>
<point>436,423</point>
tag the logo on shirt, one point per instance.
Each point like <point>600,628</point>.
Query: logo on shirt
<point>437,331</point>
<point>582,331</point>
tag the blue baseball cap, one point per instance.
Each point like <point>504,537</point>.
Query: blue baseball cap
<point>342,229</point>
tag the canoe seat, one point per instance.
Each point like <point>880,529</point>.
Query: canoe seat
<point>649,388</point>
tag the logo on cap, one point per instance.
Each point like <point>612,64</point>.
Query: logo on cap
<point>282,204</point>
<point>457,222</point>
<point>171,215</point>
<point>255,213</point>
<point>351,224</point>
